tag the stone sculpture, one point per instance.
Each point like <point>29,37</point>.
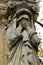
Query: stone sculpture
<point>22,39</point>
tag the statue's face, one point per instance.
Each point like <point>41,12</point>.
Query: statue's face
<point>24,23</point>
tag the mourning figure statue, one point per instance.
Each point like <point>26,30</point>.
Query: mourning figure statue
<point>21,35</point>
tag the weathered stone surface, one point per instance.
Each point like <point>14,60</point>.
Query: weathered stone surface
<point>2,7</point>
<point>15,55</point>
<point>3,57</point>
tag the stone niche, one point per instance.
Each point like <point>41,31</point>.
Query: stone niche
<point>3,56</point>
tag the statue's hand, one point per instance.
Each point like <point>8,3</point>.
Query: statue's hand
<point>18,30</point>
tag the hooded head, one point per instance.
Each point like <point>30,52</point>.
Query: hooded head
<point>24,14</point>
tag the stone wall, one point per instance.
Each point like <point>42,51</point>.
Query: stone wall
<point>3,57</point>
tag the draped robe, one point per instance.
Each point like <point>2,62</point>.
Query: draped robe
<point>20,52</point>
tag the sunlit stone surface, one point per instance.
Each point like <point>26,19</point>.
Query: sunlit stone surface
<point>3,57</point>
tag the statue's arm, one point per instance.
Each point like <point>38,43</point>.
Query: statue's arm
<point>14,36</point>
<point>34,39</point>
<point>15,41</point>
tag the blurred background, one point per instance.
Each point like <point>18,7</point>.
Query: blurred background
<point>39,30</point>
